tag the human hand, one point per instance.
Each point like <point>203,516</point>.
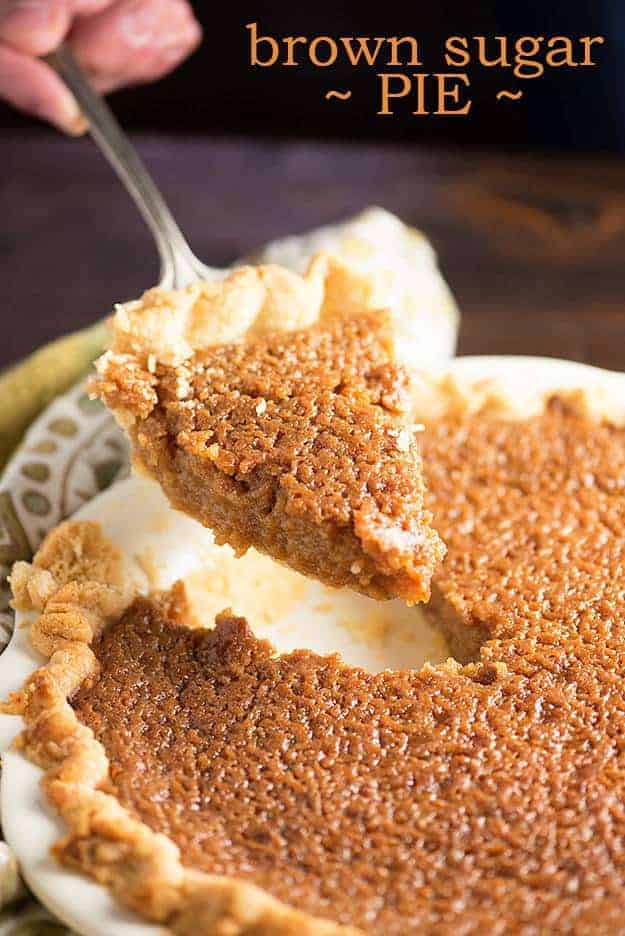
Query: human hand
<point>118,42</point>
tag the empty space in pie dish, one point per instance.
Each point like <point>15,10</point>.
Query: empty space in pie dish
<point>164,546</point>
<point>293,612</point>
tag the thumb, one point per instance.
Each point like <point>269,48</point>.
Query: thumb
<point>32,86</point>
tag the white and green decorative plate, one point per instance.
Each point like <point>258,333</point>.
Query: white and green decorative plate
<point>71,453</point>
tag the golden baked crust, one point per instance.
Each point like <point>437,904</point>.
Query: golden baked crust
<point>296,442</point>
<point>169,326</point>
<point>83,589</point>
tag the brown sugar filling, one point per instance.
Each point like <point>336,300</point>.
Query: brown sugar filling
<point>442,800</point>
<point>295,444</point>
<point>533,516</point>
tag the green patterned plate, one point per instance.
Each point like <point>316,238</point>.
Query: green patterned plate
<point>71,453</point>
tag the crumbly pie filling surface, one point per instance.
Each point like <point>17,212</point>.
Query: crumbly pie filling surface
<point>198,770</point>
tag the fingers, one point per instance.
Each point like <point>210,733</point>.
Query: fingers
<point>31,85</point>
<point>28,29</point>
<point>119,42</point>
<point>134,41</point>
<point>87,7</point>
<point>34,27</point>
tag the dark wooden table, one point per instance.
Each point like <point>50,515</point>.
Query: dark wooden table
<point>533,247</point>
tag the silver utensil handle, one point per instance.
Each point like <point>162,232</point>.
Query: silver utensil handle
<point>177,260</point>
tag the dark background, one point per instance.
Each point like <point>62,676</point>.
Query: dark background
<point>524,202</point>
<point>217,91</point>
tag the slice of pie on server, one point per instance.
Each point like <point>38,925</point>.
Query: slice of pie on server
<point>271,407</point>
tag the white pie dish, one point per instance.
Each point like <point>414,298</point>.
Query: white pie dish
<point>171,546</point>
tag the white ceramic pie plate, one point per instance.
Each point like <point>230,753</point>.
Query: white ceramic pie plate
<point>292,612</point>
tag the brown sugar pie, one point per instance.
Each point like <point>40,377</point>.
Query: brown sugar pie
<point>296,441</point>
<point>219,787</point>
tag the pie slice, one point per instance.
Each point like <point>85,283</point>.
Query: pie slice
<point>219,787</point>
<point>295,442</point>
